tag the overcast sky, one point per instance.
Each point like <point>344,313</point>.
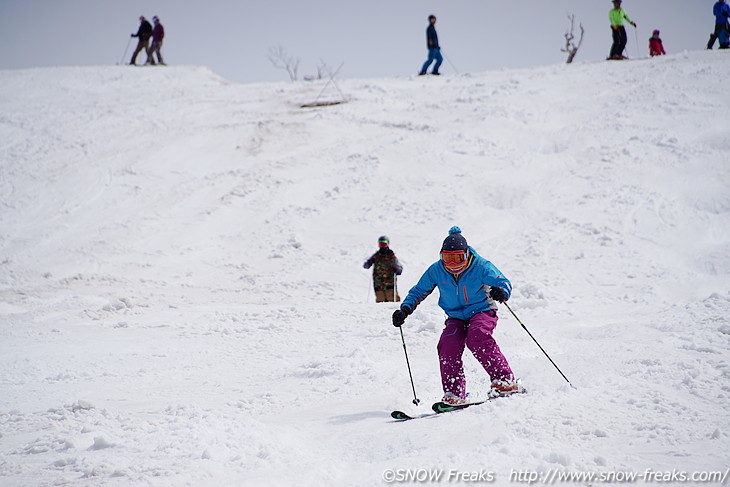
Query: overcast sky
<point>373,38</point>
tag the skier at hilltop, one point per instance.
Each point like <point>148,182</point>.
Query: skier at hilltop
<point>386,268</point>
<point>434,50</point>
<point>143,34</point>
<point>721,11</point>
<point>656,48</point>
<point>617,16</point>
<point>469,288</point>
<point>158,33</point>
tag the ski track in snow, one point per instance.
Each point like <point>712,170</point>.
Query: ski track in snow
<point>182,300</point>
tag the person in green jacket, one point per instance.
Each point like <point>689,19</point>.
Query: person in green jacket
<point>617,16</point>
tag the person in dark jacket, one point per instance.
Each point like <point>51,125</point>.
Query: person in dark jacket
<point>434,50</point>
<point>143,34</point>
<point>721,11</point>
<point>386,267</point>
<point>158,33</point>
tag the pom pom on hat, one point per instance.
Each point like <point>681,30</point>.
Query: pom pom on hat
<point>455,241</point>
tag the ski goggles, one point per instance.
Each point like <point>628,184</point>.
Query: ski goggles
<point>453,257</point>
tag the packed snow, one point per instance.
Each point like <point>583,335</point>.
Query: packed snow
<point>182,298</point>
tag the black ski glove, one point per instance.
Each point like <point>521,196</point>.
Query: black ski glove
<point>399,316</point>
<point>498,294</point>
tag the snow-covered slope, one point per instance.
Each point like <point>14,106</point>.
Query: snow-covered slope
<point>182,300</point>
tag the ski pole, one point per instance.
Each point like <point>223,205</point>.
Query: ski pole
<point>416,401</point>
<point>533,339</point>
<point>636,36</point>
<point>395,287</point>
<point>449,61</point>
<point>124,56</point>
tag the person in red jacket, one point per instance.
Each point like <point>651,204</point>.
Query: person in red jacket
<point>656,48</point>
<point>158,33</point>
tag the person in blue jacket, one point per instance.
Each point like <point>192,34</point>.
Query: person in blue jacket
<point>469,289</point>
<point>721,11</point>
<point>434,50</point>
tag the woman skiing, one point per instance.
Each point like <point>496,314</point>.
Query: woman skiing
<point>469,287</point>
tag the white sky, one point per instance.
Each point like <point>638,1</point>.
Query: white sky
<point>373,38</point>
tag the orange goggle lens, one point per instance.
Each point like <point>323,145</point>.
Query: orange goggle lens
<point>456,257</point>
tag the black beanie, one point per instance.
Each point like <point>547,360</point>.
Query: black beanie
<point>455,241</point>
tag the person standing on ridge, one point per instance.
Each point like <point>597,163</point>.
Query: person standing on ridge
<point>617,16</point>
<point>434,50</point>
<point>143,34</point>
<point>469,289</point>
<point>386,267</point>
<point>656,48</point>
<point>721,11</point>
<point>158,33</point>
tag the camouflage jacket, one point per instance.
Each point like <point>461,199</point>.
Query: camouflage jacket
<point>385,266</point>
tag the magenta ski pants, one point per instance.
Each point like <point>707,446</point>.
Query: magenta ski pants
<point>476,334</point>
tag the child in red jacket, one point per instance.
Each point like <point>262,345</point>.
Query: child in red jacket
<point>656,48</point>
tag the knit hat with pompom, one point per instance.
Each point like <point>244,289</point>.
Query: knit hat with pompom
<point>455,241</point>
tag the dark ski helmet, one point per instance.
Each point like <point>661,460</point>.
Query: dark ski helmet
<point>455,241</point>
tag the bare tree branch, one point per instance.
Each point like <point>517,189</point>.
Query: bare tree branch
<point>280,59</point>
<point>570,46</point>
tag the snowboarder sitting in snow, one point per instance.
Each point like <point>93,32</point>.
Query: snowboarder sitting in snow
<point>469,288</point>
<point>386,268</point>
<point>656,48</point>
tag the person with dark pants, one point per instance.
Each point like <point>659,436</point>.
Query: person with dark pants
<point>724,39</point>
<point>158,33</point>
<point>721,10</point>
<point>434,50</point>
<point>143,34</point>
<point>617,16</point>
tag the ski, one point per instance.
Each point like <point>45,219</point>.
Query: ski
<point>442,407</point>
<point>401,416</point>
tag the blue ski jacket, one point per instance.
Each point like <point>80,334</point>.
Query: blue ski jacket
<point>721,12</point>
<point>460,297</point>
